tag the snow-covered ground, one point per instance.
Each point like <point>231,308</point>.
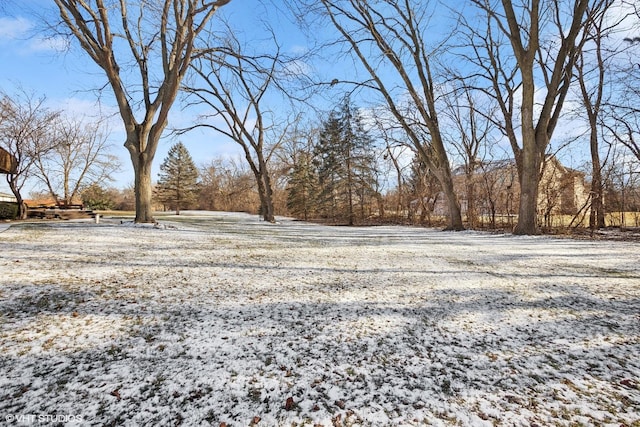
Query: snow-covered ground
<point>225,320</point>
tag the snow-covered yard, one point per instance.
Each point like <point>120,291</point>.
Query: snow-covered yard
<point>225,320</point>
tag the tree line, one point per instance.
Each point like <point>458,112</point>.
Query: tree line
<point>445,90</point>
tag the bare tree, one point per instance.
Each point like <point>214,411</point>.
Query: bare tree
<point>393,153</point>
<point>234,85</point>
<point>79,160</point>
<point>25,133</point>
<point>396,155</point>
<point>144,48</point>
<point>486,48</point>
<point>388,38</point>
<point>540,63</point>
<point>469,131</point>
<point>622,176</point>
<point>424,190</point>
<point>594,71</point>
<point>497,186</point>
<point>623,110</point>
<point>209,187</point>
<point>227,185</point>
<point>626,131</point>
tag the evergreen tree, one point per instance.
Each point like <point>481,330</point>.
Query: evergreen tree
<point>346,167</point>
<point>178,179</point>
<point>99,198</point>
<point>302,187</point>
<point>326,159</point>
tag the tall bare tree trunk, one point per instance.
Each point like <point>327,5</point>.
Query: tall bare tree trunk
<point>265,193</point>
<point>350,184</point>
<point>270,214</point>
<point>142,187</point>
<point>455,213</point>
<point>438,158</point>
<point>399,203</point>
<point>471,200</point>
<point>593,95</point>
<point>596,211</point>
<point>531,161</point>
<point>596,214</point>
<point>529,183</point>
<point>22,207</point>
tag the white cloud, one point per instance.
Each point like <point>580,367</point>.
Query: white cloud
<point>296,68</point>
<point>623,15</point>
<point>56,44</point>
<point>14,28</point>
<point>18,29</point>
<point>299,49</point>
<point>88,109</point>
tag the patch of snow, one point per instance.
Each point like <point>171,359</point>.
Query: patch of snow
<point>222,318</point>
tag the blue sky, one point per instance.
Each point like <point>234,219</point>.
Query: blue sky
<point>68,78</point>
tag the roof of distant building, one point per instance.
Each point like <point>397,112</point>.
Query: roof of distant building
<point>6,197</point>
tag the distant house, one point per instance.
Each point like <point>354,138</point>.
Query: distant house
<point>496,190</point>
<point>5,197</point>
<point>562,190</point>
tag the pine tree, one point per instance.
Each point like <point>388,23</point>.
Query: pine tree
<point>326,159</point>
<point>346,165</point>
<point>302,187</point>
<point>360,163</point>
<point>98,198</point>
<point>178,179</point>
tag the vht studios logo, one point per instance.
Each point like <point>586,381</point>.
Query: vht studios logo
<point>42,418</point>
